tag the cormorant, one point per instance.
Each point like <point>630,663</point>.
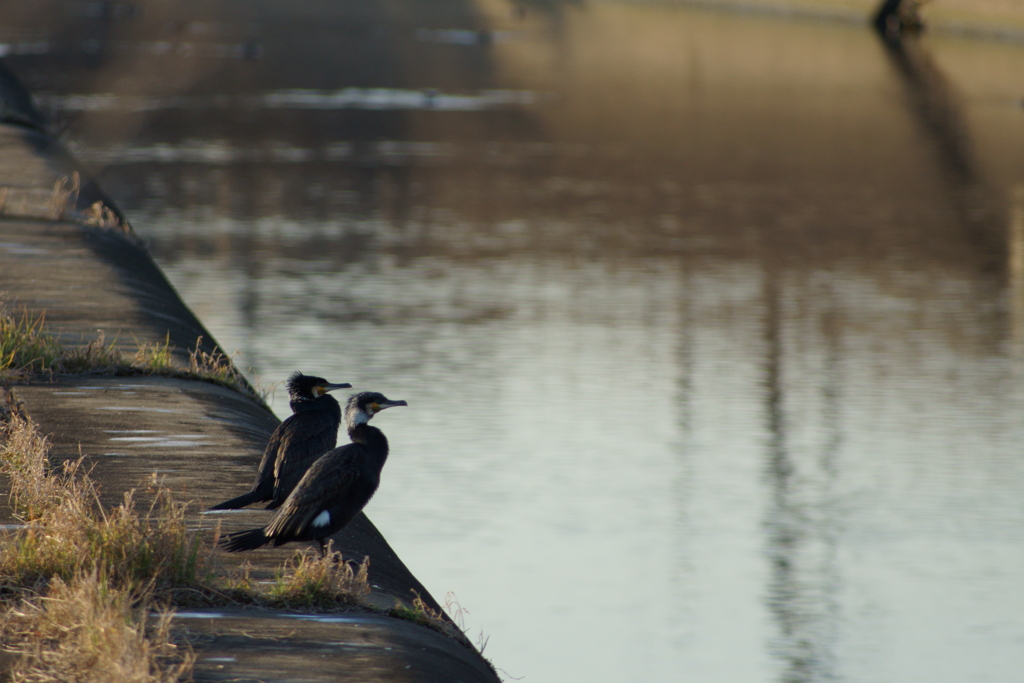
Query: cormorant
<point>334,489</point>
<point>297,442</point>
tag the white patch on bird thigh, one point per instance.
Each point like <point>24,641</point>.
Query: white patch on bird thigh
<point>323,519</point>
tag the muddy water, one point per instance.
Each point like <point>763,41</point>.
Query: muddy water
<point>711,325</point>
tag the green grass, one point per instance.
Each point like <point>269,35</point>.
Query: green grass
<point>156,358</point>
<point>24,345</point>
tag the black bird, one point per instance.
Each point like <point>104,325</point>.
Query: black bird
<point>334,489</point>
<point>296,443</point>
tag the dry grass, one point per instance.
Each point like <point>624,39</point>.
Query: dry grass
<point>66,531</point>
<point>99,215</point>
<point>33,489</point>
<point>27,349</point>
<point>65,195</point>
<point>217,367</point>
<point>307,581</point>
<point>95,356</point>
<point>323,583</point>
<point>60,204</point>
<point>77,582</point>
<point>88,630</point>
<point>421,613</point>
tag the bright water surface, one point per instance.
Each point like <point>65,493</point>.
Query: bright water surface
<point>711,325</point>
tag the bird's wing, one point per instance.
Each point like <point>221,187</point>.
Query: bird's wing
<point>328,480</point>
<point>265,473</point>
<point>304,440</point>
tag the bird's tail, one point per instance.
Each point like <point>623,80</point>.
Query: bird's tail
<point>240,502</point>
<point>244,540</point>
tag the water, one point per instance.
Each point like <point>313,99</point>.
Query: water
<point>710,325</point>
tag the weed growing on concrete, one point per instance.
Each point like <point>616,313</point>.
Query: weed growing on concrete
<point>421,613</point>
<point>66,531</point>
<point>65,195</point>
<point>157,359</point>
<point>27,349</point>
<point>216,367</point>
<point>24,345</point>
<point>95,356</point>
<point>90,629</point>
<point>99,215</point>
<point>311,581</point>
<point>78,582</point>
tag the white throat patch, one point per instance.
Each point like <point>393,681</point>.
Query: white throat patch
<point>323,519</point>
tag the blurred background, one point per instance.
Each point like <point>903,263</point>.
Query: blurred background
<point>710,315</point>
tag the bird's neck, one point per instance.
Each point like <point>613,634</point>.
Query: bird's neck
<point>371,437</point>
<point>319,403</point>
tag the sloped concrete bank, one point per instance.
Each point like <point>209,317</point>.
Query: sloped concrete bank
<point>204,441</point>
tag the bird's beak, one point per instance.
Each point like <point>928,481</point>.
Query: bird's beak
<point>332,387</point>
<point>390,404</point>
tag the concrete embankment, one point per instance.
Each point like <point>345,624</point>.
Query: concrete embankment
<point>203,440</point>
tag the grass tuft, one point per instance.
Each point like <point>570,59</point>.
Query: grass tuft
<point>99,215</point>
<point>95,356</point>
<point>91,630</point>
<point>64,196</point>
<point>27,349</point>
<point>156,358</point>
<point>66,531</point>
<point>314,582</point>
<point>421,613</point>
<point>33,489</point>
<point>77,582</point>
<point>216,367</point>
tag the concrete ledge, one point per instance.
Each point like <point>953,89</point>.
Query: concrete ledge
<point>203,440</point>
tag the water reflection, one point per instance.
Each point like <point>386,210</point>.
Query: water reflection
<point>939,111</point>
<point>801,520</point>
<point>712,330</point>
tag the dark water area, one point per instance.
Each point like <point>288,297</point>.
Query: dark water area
<point>711,325</point>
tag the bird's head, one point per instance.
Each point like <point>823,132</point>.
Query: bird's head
<point>364,405</point>
<point>307,387</point>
